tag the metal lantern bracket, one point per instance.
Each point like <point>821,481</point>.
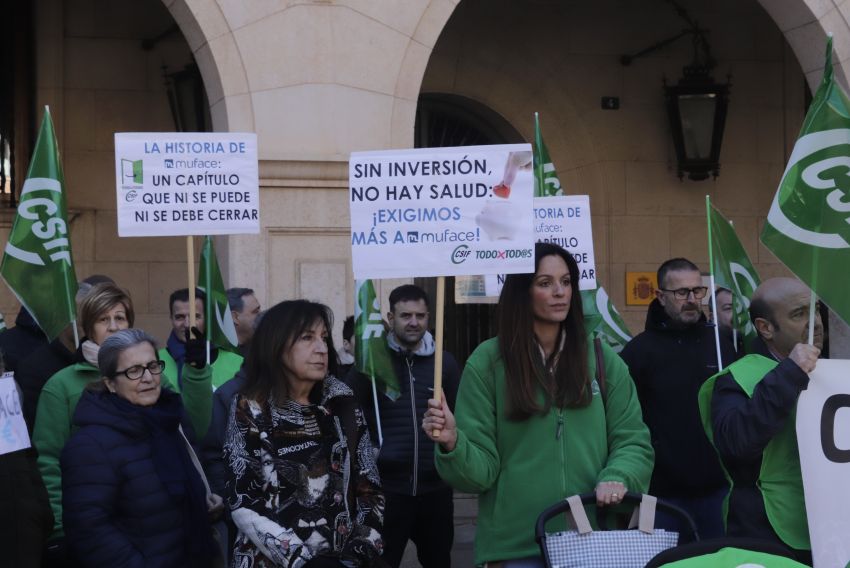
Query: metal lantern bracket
<point>705,103</point>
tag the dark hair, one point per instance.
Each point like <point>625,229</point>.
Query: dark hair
<point>235,297</point>
<point>407,293</point>
<point>114,345</point>
<point>720,290</point>
<point>348,328</point>
<point>100,299</point>
<point>672,265</point>
<point>568,386</point>
<point>182,295</point>
<point>277,332</point>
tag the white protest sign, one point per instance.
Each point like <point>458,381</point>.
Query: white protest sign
<point>442,211</point>
<point>186,183</point>
<point>564,221</point>
<point>823,436</point>
<point>13,429</point>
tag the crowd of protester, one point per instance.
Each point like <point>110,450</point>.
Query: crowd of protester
<point>282,453</point>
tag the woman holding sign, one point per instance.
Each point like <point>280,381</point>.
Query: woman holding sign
<point>302,482</point>
<point>533,426</point>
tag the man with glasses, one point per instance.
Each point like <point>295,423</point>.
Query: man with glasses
<point>669,362</point>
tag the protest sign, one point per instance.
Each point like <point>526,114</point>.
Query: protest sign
<point>13,429</point>
<point>442,211</point>
<point>189,183</point>
<point>823,437</point>
<point>563,221</point>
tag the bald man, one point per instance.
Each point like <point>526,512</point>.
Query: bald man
<point>748,410</point>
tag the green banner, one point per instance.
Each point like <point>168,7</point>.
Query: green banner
<point>371,353</point>
<point>808,225</point>
<point>218,320</point>
<point>602,319</point>
<point>38,265</point>
<point>733,270</point>
<point>546,182</point>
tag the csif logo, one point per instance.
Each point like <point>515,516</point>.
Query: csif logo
<point>817,170</point>
<point>460,254</point>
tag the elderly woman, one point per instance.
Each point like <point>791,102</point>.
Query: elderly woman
<point>533,424</point>
<point>133,490</point>
<point>302,483</point>
<point>107,309</point>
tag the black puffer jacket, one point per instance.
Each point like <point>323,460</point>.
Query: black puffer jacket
<point>406,459</point>
<point>17,343</point>
<point>117,510</point>
<point>669,365</point>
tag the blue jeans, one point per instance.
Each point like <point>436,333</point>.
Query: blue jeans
<point>706,511</point>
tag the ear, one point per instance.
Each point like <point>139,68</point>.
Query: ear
<point>764,328</point>
<point>390,317</point>
<point>235,315</point>
<point>659,295</point>
<point>110,386</point>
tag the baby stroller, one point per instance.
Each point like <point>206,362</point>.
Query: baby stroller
<point>584,547</point>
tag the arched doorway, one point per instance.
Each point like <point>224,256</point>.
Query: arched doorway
<point>451,120</point>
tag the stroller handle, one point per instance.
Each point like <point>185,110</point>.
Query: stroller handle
<point>590,498</point>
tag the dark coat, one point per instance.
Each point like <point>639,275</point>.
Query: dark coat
<point>669,365</point>
<point>117,511</point>
<point>211,449</point>
<point>742,428</point>
<point>34,371</point>
<point>17,343</point>
<point>406,460</point>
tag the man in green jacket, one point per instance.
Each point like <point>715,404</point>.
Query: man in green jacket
<point>748,412</point>
<point>189,358</point>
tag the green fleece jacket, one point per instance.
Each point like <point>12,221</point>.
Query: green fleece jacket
<point>55,412</point>
<point>521,468</point>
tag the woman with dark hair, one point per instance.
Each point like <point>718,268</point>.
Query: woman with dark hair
<point>533,424</point>
<point>134,493</point>
<point>302,483</point>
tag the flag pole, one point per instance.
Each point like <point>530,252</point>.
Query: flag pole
<point>812,303</point>
<point>711,280</point>
<point>377,413</point>
<point>208,304</point>
<point>438,348</point>
<point>190,259</point>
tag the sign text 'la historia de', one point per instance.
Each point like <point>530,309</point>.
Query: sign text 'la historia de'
<point>442,211</point>
<point>171,184</point>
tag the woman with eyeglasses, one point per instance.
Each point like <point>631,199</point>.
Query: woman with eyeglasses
<point>106,309</point>
<point>533,424</point>
<point>134,493</point>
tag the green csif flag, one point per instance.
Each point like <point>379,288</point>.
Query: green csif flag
<point>371,354</point>
<point>733,270</point>
<point>37,264</point>
<point>218,320</point>
<point>546,182</point>
<point>603,320</point>
<point>808,225</point>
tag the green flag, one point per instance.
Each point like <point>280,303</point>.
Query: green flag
<point>371,354</point>
<point>546,182</point>
<point>733,270</point>
<point>807,226</point>
<point>603,320</point>
<point>219,322</point>
<point>38,265</point>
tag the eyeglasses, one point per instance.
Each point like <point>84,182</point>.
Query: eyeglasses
<point>682,293</point>
<point>136,372</point>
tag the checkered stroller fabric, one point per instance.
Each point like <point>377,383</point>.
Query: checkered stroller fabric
<point>588,548</point>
